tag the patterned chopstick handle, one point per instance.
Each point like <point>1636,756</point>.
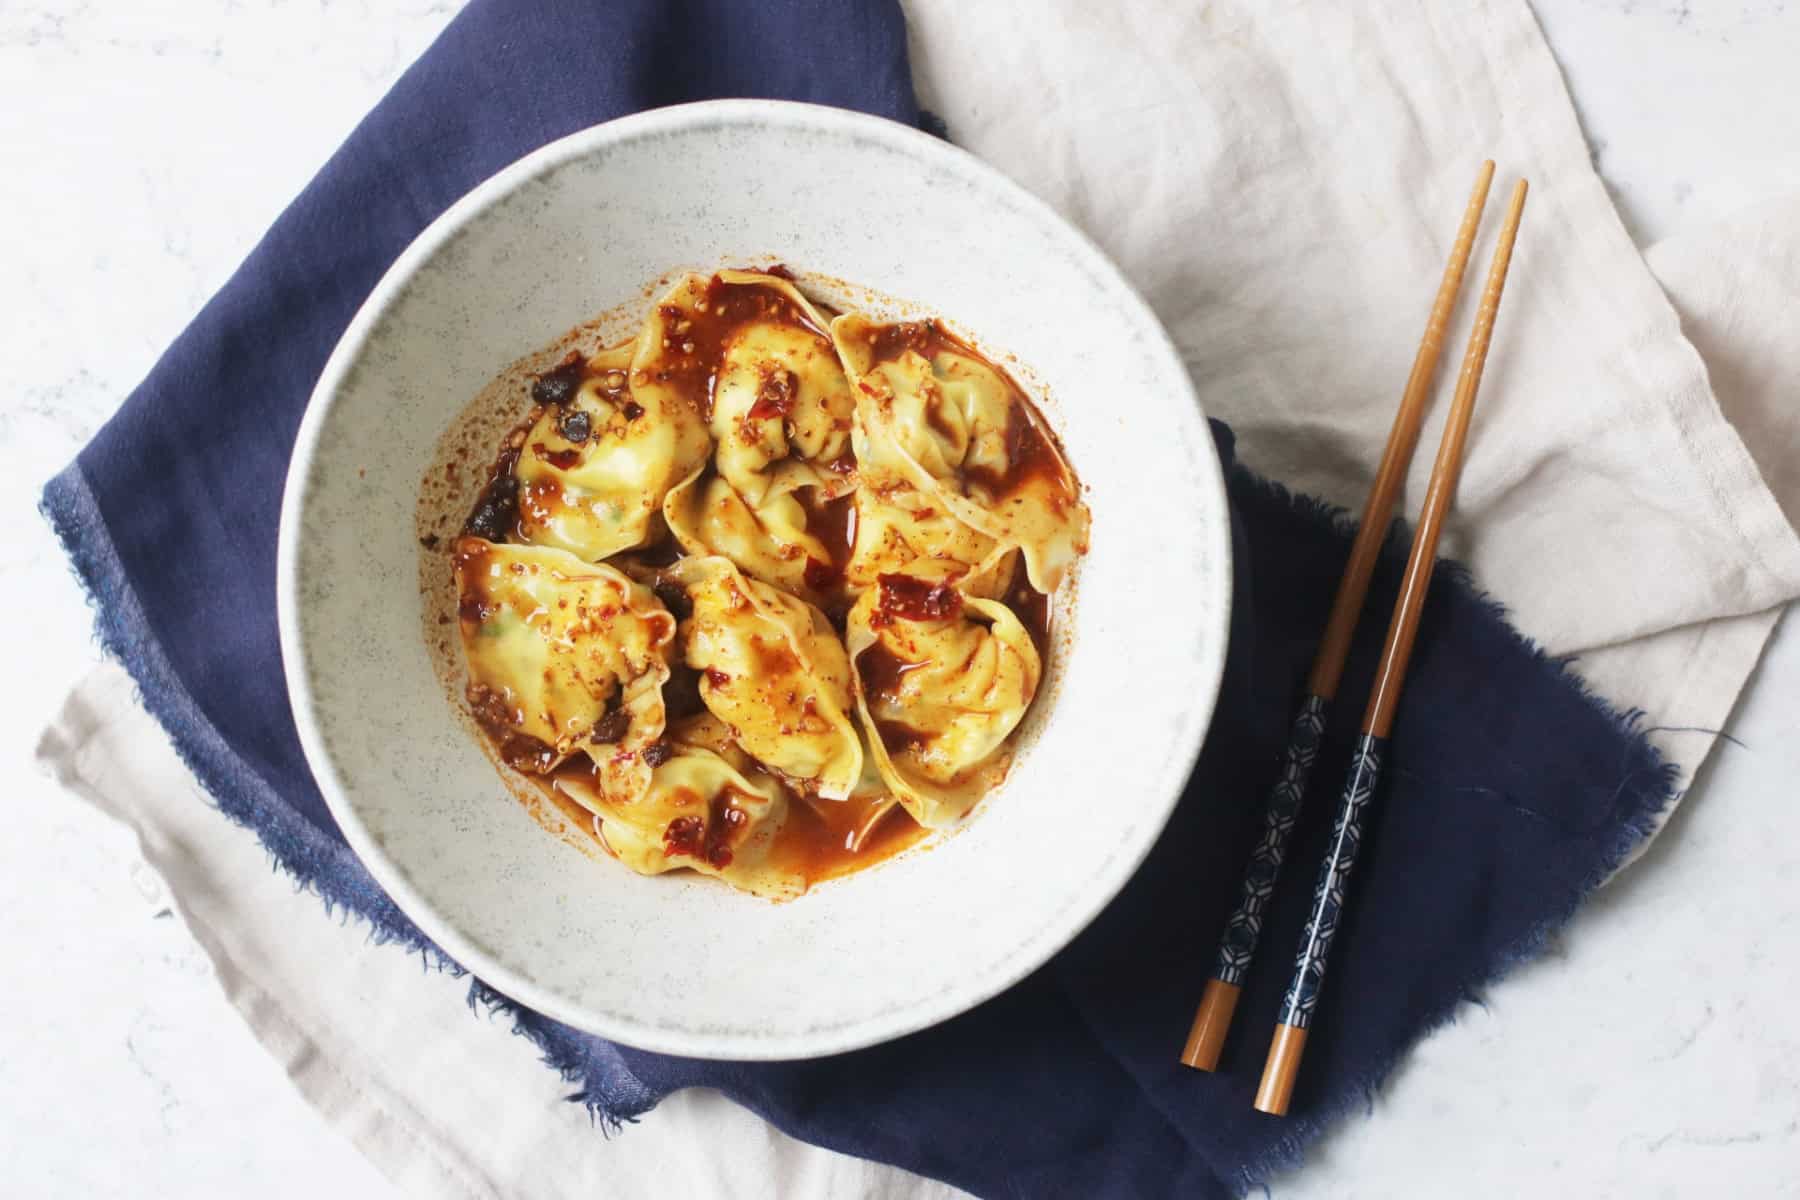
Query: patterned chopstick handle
<point>1334,876</point>
<point>1237,946</point>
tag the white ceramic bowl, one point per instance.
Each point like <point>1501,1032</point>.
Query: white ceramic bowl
<point>685,965</point>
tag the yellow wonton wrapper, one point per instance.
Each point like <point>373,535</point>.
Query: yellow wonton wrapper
<point>553,643</point>
<point>939,425</point>
<point>707,807</point>
<point>781,414</point>
<point>899,527</point>
<point>940,717</point>
<point>768,542</point>
<point>743,418</point>
<point>605,496</point>
<point>772,668</point>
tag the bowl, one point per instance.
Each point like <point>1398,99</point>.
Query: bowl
<point>680,964</point>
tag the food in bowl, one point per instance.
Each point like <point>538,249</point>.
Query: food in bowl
<point>763,591</point>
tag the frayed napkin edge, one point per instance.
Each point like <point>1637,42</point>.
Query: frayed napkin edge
<point>330,871</point>
<point>1661,794</point>
<point>334,874</point>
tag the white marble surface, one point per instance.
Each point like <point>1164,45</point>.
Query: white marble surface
<point>145,146</point>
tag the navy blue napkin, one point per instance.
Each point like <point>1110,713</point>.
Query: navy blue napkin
<point>1510,791</point>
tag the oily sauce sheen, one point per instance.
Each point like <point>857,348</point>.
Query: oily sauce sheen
<point>815,843</point>
<point>816,840</point>
<point>833,522</point>
<point>698,341</point>
<point>882,675</point>
<point>1030,455</point>
<point>820,839</point>
<point>904,598</point>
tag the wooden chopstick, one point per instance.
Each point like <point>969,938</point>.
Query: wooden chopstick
<point>1237,945</point>
<point>1289,1042</point>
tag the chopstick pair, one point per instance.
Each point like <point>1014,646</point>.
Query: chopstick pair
<point>1237,946</point>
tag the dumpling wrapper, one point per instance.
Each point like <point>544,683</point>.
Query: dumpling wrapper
<point>940,690</point>
<point>935,416</point>
<point>706,808</point>
<point>772,668</point>
<point>755,353</point>
<point>599,495</point>
<point>770,541</point>
<point>899,527</point>
<point>553,645</point>
<point>780,401</point>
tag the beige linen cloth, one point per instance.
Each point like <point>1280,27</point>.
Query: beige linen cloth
<point>1282,184</point>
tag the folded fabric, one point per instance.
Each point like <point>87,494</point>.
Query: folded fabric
<point>1512,791</point>
<point>1281,182</point>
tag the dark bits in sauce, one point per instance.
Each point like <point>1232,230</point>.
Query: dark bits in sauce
<point>575,427</point>
<point>694,343</point>
<point>495,516</point>
<point>684,836</point>
<point>502,719</point>
<point>562,460</point>
<point>776,392</point>
<point>707,839</point>
<point>903,597</point>
<point>476,608</point>
<point>522,752</point>
<point>612,727</point>
<point>559,384</point>
<point>816,840</point>
<point>473,606</point>
<point>494,709</point>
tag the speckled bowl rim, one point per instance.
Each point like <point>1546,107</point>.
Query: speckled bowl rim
<point>892,1022</point>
